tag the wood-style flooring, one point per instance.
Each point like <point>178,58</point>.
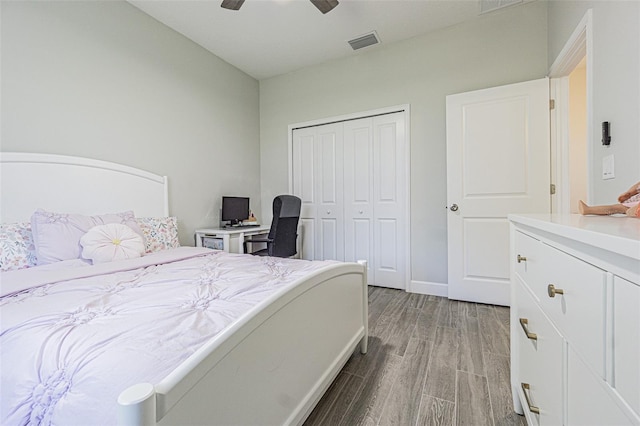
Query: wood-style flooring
<point>431,361</point>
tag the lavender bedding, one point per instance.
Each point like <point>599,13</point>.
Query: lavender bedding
<point>72,338</point>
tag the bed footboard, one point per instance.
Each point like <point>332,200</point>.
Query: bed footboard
<point>137,405</point>
<point>364,343</point>
<point>270,370</point>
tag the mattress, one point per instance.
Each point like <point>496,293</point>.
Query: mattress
<point>73,336</point>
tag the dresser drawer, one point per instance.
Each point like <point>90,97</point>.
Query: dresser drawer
<point>590,401</point>
<point>578,285</point>
<point>626,341</point>
<point>529,262</point>
<point>540,349</point>
<point>572,294</point>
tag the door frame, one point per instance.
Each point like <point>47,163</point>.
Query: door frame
<point>579,45</point>
<point>406,110</point>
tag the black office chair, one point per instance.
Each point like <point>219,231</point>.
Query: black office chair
<point>283,234</point>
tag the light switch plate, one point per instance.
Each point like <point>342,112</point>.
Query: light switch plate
<point>608,167</point>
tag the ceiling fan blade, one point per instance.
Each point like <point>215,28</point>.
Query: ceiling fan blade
<point>324,6</point>
<point>232,4</point>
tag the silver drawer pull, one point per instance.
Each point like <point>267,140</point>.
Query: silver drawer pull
<point>552,290</point>
<point>524,323</point>
<point>521,259</point>
<point>525,388</point>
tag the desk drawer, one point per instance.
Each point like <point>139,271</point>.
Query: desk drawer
<point>572,293</point>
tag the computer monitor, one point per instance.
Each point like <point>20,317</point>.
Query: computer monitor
<point>235,209</point>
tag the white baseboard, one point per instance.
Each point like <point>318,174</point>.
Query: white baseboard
<point>424,287</point>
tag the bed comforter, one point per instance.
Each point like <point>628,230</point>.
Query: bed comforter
<point>72,339</point>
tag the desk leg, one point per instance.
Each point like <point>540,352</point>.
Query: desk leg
<point>226,243</point>
<point>198,239</point>
<point>241,243</point>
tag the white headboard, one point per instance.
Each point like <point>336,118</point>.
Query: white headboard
<point>66,184</point>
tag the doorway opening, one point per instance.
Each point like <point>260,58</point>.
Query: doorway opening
<point>577,135</point>
<point>571,119</point>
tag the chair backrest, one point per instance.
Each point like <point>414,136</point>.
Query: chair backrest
<point>284,226</point>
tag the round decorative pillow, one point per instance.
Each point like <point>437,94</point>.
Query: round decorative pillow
<point>113,241</point>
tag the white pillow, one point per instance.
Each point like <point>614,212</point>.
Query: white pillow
<point>56,236</point>
<point>113,241</point>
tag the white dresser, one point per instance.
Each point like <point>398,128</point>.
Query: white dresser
<point>575,319</point>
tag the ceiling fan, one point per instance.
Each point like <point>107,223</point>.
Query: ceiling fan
<point>323,6</point>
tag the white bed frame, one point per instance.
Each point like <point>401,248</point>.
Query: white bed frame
<point>268,369</point>
<point>60,183</point>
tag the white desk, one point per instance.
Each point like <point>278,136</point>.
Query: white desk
<point>232,238</point>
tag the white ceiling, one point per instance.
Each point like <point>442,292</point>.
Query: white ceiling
<point>271,37</point>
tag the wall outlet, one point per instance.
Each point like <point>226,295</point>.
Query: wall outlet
<point>608,167</point>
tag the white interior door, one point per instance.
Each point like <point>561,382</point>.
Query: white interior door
<point>318,181</point>
<point>497,164</point>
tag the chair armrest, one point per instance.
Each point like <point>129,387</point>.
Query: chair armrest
<point>258,240</point>
<point>255,240</point>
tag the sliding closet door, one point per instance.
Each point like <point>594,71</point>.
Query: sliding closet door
<point>358,193</point>
<point>390,189</point>
<point>304,186</point>
<point>352,177</point>
<point>375,191</point>
<point>318,181</point>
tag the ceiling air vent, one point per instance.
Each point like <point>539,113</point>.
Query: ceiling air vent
<point>364,41</point>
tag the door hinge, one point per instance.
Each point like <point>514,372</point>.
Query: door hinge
<point>552,104</point>
<point>553,188</point>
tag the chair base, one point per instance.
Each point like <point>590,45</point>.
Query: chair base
<point>265,252</point>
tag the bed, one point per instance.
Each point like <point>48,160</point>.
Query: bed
<point>265,359</point>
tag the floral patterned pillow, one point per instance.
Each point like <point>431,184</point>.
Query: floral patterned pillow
<point>17,250</point>
<point>160,233</point>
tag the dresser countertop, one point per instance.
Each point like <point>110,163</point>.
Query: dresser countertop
<point>617,234</point>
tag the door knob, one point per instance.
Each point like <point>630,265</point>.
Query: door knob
<point>454,207</point>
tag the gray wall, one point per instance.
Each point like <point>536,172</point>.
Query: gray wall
<point>106,81</point>
<point>500,48</point>
<point>616,84</point>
